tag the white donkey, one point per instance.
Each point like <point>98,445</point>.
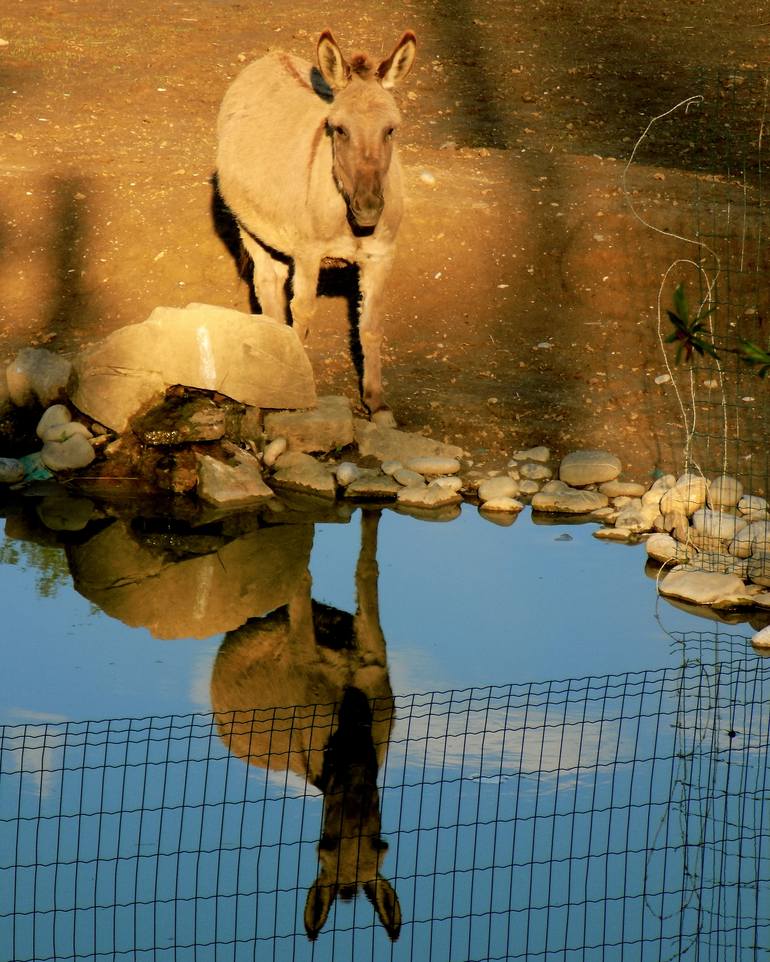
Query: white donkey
<point>307,165</point>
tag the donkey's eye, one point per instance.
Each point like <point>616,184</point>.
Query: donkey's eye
<point>389,132</point>
<point>341,131</point>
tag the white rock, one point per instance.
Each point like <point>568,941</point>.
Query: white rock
<point>53,415</point>
<point>580,468</point>
<point>724,492</point>
<point>499,487</point>
<point>528,487</point>
<point>408,478</point>
<point>570,501</point>
<point>663,548</point>
<point>759,568</point>
<point>273,451</point>
<point>717,524</point>
<point>752,504</point>
<point>636,518</point>
<point>60,432</point>
<point>427,496</point>
<point>432,466</point>
<point>535,472</point>
<point>347,472</point>
<point>762,639</point>
<point>539,453</point>
<point>37,375</point>
<point>451,483</point>
<point>390,467</point>
<point>502,504</point>
<point>69,455</point>
<point>301,472</point>
<point>618,489</point>
<point>687,495</point>
<point>663,483</point>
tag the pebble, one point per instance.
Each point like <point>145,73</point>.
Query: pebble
<point>347,472</point>
<point>622,489</point>
<point>759,568</point>
<point>427,496</point>
<point>60,432</point>
<point>502,504</point>
<point>54,415</point>
<point>535,472</point>
<point>571,501</point>
<point>11,471</point>
<point>752,504</point>
<point>273,451</point>
<point>580,468</point>
<point>663,548</point>
<point>499,487</point>
<point>539,453</point>
<point>408,478</point>
<point>637,518</point>
<point>452,483</point>
<point>528,487</point>
<point>433,465</point>
<point>390,467</point>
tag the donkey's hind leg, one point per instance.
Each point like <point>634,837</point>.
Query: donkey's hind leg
<point>270,278</point>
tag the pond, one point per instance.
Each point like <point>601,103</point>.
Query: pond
<point>562,765</point>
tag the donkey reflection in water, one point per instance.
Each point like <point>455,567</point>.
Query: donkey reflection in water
<point>332,665</point>
<point>307,166</point>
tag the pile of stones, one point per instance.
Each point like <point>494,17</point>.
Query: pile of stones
<point>166,404</point>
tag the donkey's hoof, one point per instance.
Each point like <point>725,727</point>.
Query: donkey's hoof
<point>384,418</point>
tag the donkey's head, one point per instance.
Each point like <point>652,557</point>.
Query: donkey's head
<point>351,848</point>
<point>363,119</point>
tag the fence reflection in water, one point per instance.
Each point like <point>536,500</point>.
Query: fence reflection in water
<point>622,817</point>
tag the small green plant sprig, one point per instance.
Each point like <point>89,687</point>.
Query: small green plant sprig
<point>691,336</point>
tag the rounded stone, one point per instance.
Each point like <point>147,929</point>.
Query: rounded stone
<point>433,465</point>
<point>11,471</point>
<point>60,432</point>
<point>535,472</point>
<point>69,455</point>
<point>390,467</point>
<point>427,496</point>
<point>539,453</point>
<point>499,487</point>
<point>663,548</point>
<point>580,468</point>
<point>622,489</point>
<point>724,492</point>
<point>502,504</point>
<point>687,495</point>
<point>570,501</point>
<point>761,639</point>
<point>408,478</point>
<point>717,524</point>
<point>53,416</point>
<point>347,472</point>
<point>273,451</point>
<point>450,483</point>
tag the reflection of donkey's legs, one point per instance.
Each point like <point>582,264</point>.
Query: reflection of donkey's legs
<point>368,631</point>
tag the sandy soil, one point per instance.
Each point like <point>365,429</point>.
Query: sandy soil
<point>522,309</point>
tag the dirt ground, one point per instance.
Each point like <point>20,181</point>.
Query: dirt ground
<point>522,309</point>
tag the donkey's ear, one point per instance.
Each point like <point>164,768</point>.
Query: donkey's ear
<point>334,68</point>
<point>399,63</point>
<point>383,897</point>
<point>319,900</point>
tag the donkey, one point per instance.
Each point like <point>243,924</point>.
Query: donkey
<point>306,164</point>
<point>333,667</point>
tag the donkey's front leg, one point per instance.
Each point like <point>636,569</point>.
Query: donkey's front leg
<point>372,277</point>
<point>304,285</point>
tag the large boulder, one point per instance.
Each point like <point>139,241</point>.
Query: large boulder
<point>247,357</point>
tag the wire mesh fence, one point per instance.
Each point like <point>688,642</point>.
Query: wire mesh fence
<point>622,817</point>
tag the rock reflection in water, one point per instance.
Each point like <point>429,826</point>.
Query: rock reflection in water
<point>329,667</point>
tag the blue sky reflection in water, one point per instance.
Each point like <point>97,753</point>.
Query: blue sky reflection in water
<point>462,603</point>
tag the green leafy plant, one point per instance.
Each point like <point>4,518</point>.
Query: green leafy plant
<point>691,336</point>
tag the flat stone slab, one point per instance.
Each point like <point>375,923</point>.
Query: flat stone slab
<point>589,467</point>
<point>428,496</point>
<point>390,444</point>
<point>325,427</point>
<point>706,588</point>
<point>502,486</point>
<point>380,487</point>
<point>233,483</point>
<point>243,356</point>
<point>300,472</point>
<point>568,500</point>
